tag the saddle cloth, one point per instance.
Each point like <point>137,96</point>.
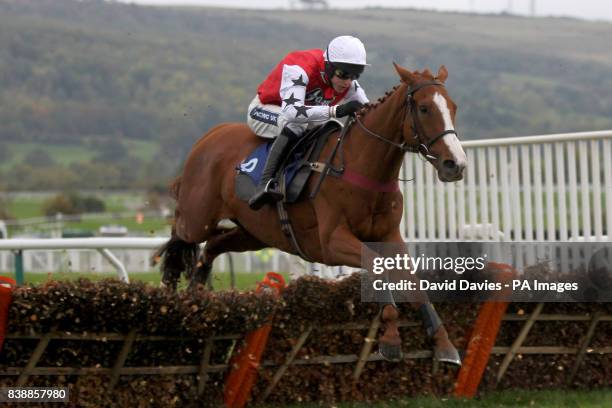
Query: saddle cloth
<point>295,168</point>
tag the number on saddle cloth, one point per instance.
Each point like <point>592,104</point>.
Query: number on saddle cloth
<point>296,167</point>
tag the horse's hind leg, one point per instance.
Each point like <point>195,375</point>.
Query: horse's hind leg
<point>234,240</point>
<point>444,350</point>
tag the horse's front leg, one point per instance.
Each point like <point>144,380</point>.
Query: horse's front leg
<point>342,247</point>
<point>444,350</point>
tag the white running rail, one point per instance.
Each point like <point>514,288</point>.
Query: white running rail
<point>102,245</point>
<point>534,188</point>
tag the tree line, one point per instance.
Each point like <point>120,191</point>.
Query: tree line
<point>74,72</point>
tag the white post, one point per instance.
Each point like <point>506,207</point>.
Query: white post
<point>596,183</point>
<point>121,271</point>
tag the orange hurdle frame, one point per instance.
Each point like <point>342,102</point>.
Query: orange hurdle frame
<point>243,374</point>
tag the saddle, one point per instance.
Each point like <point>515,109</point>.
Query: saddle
<point>294,172</point>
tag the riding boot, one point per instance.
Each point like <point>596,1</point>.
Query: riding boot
<point>267,191</point>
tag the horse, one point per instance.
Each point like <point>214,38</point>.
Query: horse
<point>415,116</point>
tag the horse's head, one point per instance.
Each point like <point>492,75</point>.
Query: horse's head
<point>429,126</point>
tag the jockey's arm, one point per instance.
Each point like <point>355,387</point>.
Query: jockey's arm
<point>293,94</point>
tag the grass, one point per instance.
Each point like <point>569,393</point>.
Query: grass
<point>149,226</point>
<point>24,207</point>
<point>67,154</point>
<point>142,149</point>
<point>540,399</point>
<point>116,202</point>
<point>32,206</point>
<point>220,281</point>
<point>61,154</point>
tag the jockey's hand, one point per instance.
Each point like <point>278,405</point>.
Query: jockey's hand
<point>348,108</point>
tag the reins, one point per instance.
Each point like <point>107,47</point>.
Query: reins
<point>423,146</point>
<point>404,147</point>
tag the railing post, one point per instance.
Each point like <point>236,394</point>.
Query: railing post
<point>19,277</point>
<point>110,257</point>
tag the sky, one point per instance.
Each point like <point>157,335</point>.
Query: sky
<point>585,9</point>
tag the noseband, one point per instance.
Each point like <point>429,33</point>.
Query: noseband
<point>422,145</point>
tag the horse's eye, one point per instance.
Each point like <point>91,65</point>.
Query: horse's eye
<point>423,109</point>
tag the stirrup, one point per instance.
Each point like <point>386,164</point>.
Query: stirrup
<point>265,195</point>
<point>271,192</point>
<point>269,186</point>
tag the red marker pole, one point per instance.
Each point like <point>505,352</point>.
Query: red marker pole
<point>6,297</point>
<point>482,339</point>
<point>243,373</point>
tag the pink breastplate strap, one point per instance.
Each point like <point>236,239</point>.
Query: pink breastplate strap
<point>366,183</point>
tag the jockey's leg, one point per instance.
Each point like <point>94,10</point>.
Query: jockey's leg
<point>267,191</point>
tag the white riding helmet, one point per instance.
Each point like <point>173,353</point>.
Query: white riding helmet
<point>346,49</point>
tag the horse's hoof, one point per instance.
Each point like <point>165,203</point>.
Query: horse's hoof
<point>390,352</point>
<point>450,356</point>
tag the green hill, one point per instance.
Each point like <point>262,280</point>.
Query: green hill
<point>125,90</point>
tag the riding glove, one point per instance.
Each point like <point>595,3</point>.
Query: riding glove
<point>347,109</point>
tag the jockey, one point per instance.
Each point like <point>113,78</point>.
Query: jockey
<point>304,90</point>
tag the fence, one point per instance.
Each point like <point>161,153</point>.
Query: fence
<point>545,188</point>
<point>102,245</point>
<point>359,361</point>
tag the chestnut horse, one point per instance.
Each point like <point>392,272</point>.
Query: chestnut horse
<point>417,115</point>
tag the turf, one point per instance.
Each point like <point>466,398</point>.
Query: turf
<point>27,207</point>
<point>508,398</point>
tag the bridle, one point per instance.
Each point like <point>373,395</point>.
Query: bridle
<point>422,145</point>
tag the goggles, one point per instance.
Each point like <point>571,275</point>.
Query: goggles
<point>345,75</point>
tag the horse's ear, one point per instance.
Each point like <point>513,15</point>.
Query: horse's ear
<point>405,75</point>
<point>442,74</point>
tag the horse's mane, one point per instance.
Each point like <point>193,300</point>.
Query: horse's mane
<point>371,106</point>
<point>425,75</point>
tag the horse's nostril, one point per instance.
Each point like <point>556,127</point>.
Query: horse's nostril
<point>450,165</point>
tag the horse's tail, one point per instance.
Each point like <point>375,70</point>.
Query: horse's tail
<point>176,256</point>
